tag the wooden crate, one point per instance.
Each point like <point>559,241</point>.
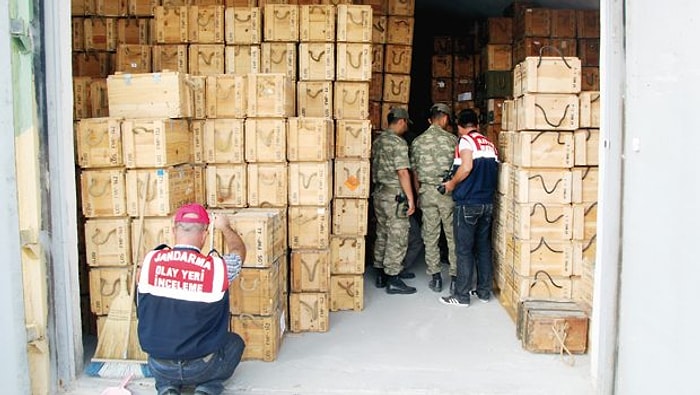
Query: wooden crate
<point>308,312</point>
<point>315,99</point>
<point>167,189</point>
<point>242,59</point>
<point>541,286</point>
<point>310,183</point>
<point>589,51</point>
<point>227,185</point>
<point>535,220</point>
<point>280,58</point>
<point>242,25</point>
<point>463,66</point>
<point>92,64</point>
<point>562,23</point>
<point>586,145</point>
<point>441,90</point>
<point>376,87</point>
<point>353,139</point>
<point>108,242</point>
<point>316,61</point>
<point>350,217</point>
<point>82,102</point>
<point>347,254</point>
<point>206,59</point>
<point>262,334</point>
<point>590,109</point>
<point>134,58</point>
<point>134,31</point>
<point>400,30</point>
<point>226,96</point>
<point>532,22</point>
<point>590,79</point>
<point>165,94</point>
<point>103,192</point>
<point>105,285</point>
<point>401,7</point>
<point>352,178</point>
<point>547,75</point>
<point>98,142</point>
<point>442,66</point>
<point>508,115</point>
<point>584,265</point>
<point>261,235</point>
<point>279,230</point>
<point>588,23</point>
<point>310,270</point>
<point>497,84</point>
<point>156,231</point>
<point>548,111</point>
<point>442,45</point>
<point>142,7</point>
<point>267,184</point>
<point>379,29</point>
<point>100,34</point>
<point>223,141</point>
<point>265,140</point>
<point>347,293</point>
<point>270,95</point>
<point>552,332</point>
<point>200,184</point>
<point>375,115</point>
<point>544,149</point>
<point>499,30</point>
<point>110,7</point>
<point>353,62</point>
<point>354,24</point>
<point>281,22</point>
<point>351,100</point>
<point>464,45</point>
<point>398,59</point>
<point>506,179</point>
<point>170,57</point>
<point>310,139</point>
<point>386,109</point>
<point>171,24</point>
<point>585,180</point>
<point>530,46</point>
<point>99,98</point>
<point>197,152</point>
<point>317,23</point>
<point>155,142</point>
<point>585,221</point>
<point>463,90</point>
<point>377,59</point>
<point>497,57</point>
<point>494,108</point>
<point>206,24</point>
<point>255,291</point>
<point>542,185</point>
<point>397,88</point>
<point>309,227</point>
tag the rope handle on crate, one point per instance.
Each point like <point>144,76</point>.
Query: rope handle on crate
<point>207,59</point>
<point>379,26</point>
<point>318,57</point>
<point>393,87</point>
<point>311,271</point>
<point>303,220</point>
<point>267,137</point>
<point>561,333</point>
<point>353,132</point>
<point>229,188</point>
<point>281,57</point>
<point>551,280</point>
<point>314,8</point>
<point>589,208</point>
<point>539,62</point>
<point>313,310</point>
<point>141,129</point>
<point>140,186</point>
<point>115,286</point>
<point>543,242</point>
<point>345,94</point>
<point>220,88</point>
<point>307,182</point>
<point>546,215</point>
<point>544,185</point>
<point>348,175</point>
<point>400,60</point>
<point>590,243</point>
<point>105,239</point>
<point>347,287</point>
<point>559,135</point>
<point>247,319</point>
<point>268,179</point>
<point>351,18</point>
<point>359,60</point>
<point>312,94</point>
<point>277,14</point>
<point>93,185</point>
<point>352,240</point>
<point>238,18</point>
<point>402,22</point>
<point>248,289</point>
<point>202,22</point>
<point>546,119</point>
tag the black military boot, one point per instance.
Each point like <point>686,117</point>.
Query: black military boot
<point>380,281</point>
<point>396,286</point>
<point>406,275</point>
<point>436,282</point>
<point>453,284</point>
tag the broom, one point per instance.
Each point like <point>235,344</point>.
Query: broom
<point>114,358</point>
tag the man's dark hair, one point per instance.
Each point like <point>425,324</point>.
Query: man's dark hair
<point>391,119</point>
<point>467,118</point>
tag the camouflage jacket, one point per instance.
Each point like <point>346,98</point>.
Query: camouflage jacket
<point>432,153</point>
<point>389,154</point>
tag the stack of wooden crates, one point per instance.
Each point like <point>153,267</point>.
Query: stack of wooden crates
<point>258,110</point>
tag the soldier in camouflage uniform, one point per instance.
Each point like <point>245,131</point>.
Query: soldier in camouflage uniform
<point>393,200</point>
<point>432,154</point>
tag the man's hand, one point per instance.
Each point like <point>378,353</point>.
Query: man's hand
<point>411,207</point>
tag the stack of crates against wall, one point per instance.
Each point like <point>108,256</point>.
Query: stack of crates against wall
<point>392,50</point>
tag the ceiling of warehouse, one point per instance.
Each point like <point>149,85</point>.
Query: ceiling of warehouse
<point>486,8</point>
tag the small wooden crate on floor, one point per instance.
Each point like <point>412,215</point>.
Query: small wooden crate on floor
<point>103,192</point>
<point>350,216</point>
<point>98,142</point>
<point>226,96</point>
<point>265,140</point>
<point>347,292</point>
<point>227,185</point>
<point>223,141</point>
<point>267,184</point>
<point>255,290</point>
<point>108,242</point>
<point>262,334</point>
<point>167,189</point>
<point>310,139</point>
<point>315,99</point>
<point>317,23</point>
<point>347,254</point>
<point>308,312</point>
<point>310,270</point>
<point>546,330</point>
<point>310,183</point>
<point>165,94</point>
<point>155,142</point>
<point>309,227</point>
<point>243,25</point>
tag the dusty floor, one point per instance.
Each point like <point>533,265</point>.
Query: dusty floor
<point>401,344</point>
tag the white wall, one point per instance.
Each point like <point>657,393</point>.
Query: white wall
<point>659,351</point>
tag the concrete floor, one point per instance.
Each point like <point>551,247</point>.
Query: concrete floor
<point>402,345</point>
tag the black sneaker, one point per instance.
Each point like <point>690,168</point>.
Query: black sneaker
<point>453,301</point>
<point>482,299</point>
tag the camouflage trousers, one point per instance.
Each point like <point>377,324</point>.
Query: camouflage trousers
<point>437,210</point>
<point>392,234</point>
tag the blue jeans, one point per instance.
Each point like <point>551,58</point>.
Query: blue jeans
<point>207,373</point>
<point>472,229</point>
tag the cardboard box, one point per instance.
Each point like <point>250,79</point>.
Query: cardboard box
<point>535,220</point>
<point>242,25</point>
<point>103,192</point>
<point>351,100</point>
<point>310,139</point>
<point>108,242</point>
<point>100,34</point>
<point>206,59</point>
<point>544,149</point>
<point>590,109</point>
<point>400,30</point>
<point>315,99</point>
<point>135,31</point>
<point>309,227</point>
<point>347,254</point>
<point>172,24</point>
<point>227,185</point>
<point>255,291</point>
<point>548,75</point>
<point>548,111</point>
<point>586,145</point>
<point>242,59</point>
<point>310,270</point>
<point>265,140</point>
<point>350,217</point>
<point>281,22</point>
<point>167,189</point>
<point>354,62</point>
<point>308,312</point>
<point>352,178</point>
<point>226,96</point>
<point>206,24</point>
<point>542,185</point>
<point>353,139</point>
<point>316,61</point>
<point>164,95</point>
<point>347,292</point>
<point>317,23</point>
<point>262,334</point>
<point>267,184</point>
<point>354,23</point>
<point>310,183</point>
<point>105,285</point>
<point>271,95</point>
<point>279,58</point>
<point>98,142</point>
<point>223,141</point>
<point>155,142</point>
<point>397,88</point>
<point>172,57</point>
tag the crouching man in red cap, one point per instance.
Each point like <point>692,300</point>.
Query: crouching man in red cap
<point>183,307</point>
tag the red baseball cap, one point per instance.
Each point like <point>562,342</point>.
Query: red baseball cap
<point>193,213</point>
